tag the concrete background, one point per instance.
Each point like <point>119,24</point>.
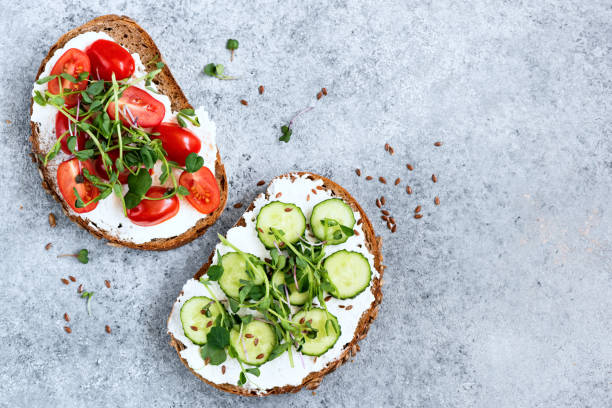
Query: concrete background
<point>501,296</point>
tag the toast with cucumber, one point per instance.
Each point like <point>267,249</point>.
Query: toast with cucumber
<point>118,144</point>
<point>286,294</point>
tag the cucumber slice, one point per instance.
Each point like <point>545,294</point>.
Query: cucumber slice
<point>295,298</point>
<point>333,209</point>
<point>196,321</point>
<point>258,339</point>
<point>283,216</point>
<point>349,271</point>
<point>326,334</point>
<point>234,270</point>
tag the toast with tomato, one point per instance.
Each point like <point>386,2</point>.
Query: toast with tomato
<point>118,144</point>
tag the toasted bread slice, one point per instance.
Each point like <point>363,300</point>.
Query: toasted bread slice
<point>133,37</point>
<point>313,379</point>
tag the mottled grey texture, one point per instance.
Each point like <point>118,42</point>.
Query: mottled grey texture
<point>501,296</point>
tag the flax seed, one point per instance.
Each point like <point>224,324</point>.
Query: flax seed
<point>437,200</point>
<point>438,144</point>
<point>314,191</point>
<point>409,189</point>
<point>288,209</point>
<point>319,95</point>
<point>384,218</point>
<point>260,356</point>
<point>210,323</point>
<point>397,181</point>
<point>341,306</point>
<point>260,230</point>
<point>256,341</point>
<point>417,209</point>
<point>358,172</point>
<point>387,147</point>
<point>409,167</point>
<point>108,329</point>
<point>80,288</point>
<point>394,228</point>
<point>324,90</point>
<point>223,369</point>
<point>48,246</point>
<point>389,225</point>
<point>65,281</point>
<point>261,89</point>
<point>417,216</point>
<point>261,182</point>
<point>327,298</point>
<point>385,212</point>
<point>434,178</point>
<point>356,232</point>
<point>383,200</point>
<point>392,220</point>
<point>66,317</point>
<point>391,150</point>
<point>248,335</point>
<point>194,328</point>
<point>67,329</point>
<point>245,103</point>
<point>378,203</point>
<point>278,194</point>
<point>359,222</point>
<point>72,278</point>
<point>349,307</point>
<point>238,205</point>
<point>302,320</point>
<point>308,197</point>
<point>320,188</point>
<point>382,180</point>
<point>368,178</point>
<point>206,360</point>
<point>52,222</point>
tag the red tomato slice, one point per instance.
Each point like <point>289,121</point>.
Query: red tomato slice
<point>153,212</point>
<point>101,167</point>
<point>107,57</point>
<point>203,190</point>
<point>178,142</point>
<point>61,126</point>
<point>73,62</point>
<point>69,176</point>
<point>145,110</point>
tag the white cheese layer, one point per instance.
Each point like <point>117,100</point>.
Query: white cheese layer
<point>108,216</point>
<point>278,372</point>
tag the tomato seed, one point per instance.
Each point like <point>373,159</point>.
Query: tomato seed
<point>108,329</point>
<point>245,103</point>
<point>67,329</point>
<point>261,182</point>
<point>66,317</point>
<point>437,200</point>
<point>261,89</point>
<point>72,278</point>
<point>65,281</point>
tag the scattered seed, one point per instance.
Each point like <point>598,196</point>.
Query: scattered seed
<point>417,209</point>
<point>313,191</point>
<point>80,288</point>
<point>194,328</point>
<point>320,188</point>
<point>67,329</point>
<point>238,205</point>
<point>256,341</point>
<point>315,359</point>
<point>384,218</point>
<point>107,329</point>
<point>437,200</point>
<point>245,103</point>
<point>434,178</point>
<point>107,283</point>
<point>392,220</point>
<point>378,203</point>
<point>278,194</point>
<point>358,172</point>
<point>206,360</point>
<point>248,335</point>
<point>409,189</point>
<point>383,200</point>
<point>385,212</point>
<point>261,89</point>
<point>417,216</point>
<point>341,306</point>
<point>52,222</point>
<point>391,150</point>
<point>66,317</point>
<point>302,320</point>
<point>65,281</point>
<point>368,178</point>
<point>397,181</point>
<point>319,95</point>
<point>409,167</point>
<point>261,182</point>
<point>438,144</point>
<point>349,307</point>
<point>382,180</point>
<point>359,222</point>
<point>327,298</point>
<point>48,246</point>
<point>308,197</point>
<point>356,232</point>
<point>394,228</point>
<point>288,209</point>
<point>260,356</point>
<point>324,90</point>
<point>389,225</point>
<point>202,312</point>
<point>223,369</point>
<point>72,278</point>
<point>387,147</point>
<point>210,323</point>
<point>260,230</point>
<point>314,393</point>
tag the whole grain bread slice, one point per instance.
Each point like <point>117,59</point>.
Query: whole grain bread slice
<point>313,380</point>
<point>133,37</point>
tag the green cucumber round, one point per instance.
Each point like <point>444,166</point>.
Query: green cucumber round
<point>282,216</point>
<point>333,211</point>
<point>258,339</point>
<point>326,334</point>
<point>295,298</point>
<point>235,270</point>
<point>198,315</point>
<point>349,272</point>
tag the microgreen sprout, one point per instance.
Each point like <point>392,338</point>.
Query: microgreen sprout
<point>217,71</point>
<point>88,295</point>
<point>287,130</point>
<point>232,45</point>
<point>82,256</point>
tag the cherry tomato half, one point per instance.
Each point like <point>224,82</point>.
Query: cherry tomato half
<point>142,108</point>
<point>101,167</point>
<point>178,142</point>
<point>107,57</point>
<point>203,190</point>
<point>73,62</point>
<point>70,176</point>
<point>153,212</point>
<point>61,126</point>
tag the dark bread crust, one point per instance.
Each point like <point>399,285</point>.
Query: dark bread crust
<point>313,380</point>
<point>133,37</point>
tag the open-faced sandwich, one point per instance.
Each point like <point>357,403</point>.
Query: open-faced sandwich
<point>286,294</point>
<point>118,144</point>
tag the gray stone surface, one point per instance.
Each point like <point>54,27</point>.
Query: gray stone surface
<point>501,296</point>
